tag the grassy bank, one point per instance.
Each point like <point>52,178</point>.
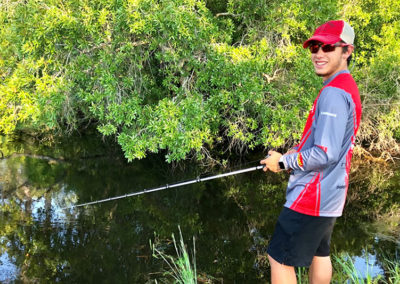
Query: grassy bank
<point>181,267</point>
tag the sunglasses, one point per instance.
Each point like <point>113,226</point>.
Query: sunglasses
<point>326,47</point>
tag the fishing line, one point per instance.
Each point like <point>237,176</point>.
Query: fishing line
<point>167,186</point>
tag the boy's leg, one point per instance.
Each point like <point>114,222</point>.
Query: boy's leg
<point>320,270</point>
<point>280,273</point>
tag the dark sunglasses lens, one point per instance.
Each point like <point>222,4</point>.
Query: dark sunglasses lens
<point>328,48</point>
<point>325,47</point>
<point>314,48</point>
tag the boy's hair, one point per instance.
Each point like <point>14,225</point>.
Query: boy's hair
<point>345,48</point>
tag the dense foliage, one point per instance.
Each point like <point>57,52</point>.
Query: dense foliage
<point>188,76</point>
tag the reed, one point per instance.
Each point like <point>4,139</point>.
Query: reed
<point>346,272</point>
<point>180,267</point>
<point>302,275</point>
<point>392,270</point>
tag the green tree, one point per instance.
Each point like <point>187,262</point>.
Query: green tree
<point>189,78</point>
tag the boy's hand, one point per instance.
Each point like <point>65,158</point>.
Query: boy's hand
<point>272,162</point>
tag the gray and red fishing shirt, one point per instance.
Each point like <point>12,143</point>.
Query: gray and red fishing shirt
<point>320,167</point>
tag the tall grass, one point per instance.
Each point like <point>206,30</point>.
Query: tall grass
<point>345,271</point>
<point>180,267</point>
<point>302,275</point>
<point>393,271</point>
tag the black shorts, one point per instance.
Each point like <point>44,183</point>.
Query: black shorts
<point>298,238</point>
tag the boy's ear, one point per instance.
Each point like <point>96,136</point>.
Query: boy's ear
<point>349,51</point>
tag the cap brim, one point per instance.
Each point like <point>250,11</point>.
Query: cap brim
<point>326,39</point>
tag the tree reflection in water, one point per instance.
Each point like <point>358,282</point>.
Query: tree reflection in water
<point>232,218</point>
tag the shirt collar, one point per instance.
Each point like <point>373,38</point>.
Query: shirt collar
<point>334,75</point>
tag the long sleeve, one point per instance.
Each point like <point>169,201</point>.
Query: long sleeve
<point>332,113</point>
<point>320,178</point>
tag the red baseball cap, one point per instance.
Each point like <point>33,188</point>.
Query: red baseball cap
<point>332,32</point>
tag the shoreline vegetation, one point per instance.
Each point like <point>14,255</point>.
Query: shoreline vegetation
<point>181,267</point>
<point>189,79</point>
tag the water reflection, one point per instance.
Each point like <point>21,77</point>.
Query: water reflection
<point>232,218</point>
<point>8,271</point>
<point>368,265</point>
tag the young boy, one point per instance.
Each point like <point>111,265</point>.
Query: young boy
<point>319,164</point>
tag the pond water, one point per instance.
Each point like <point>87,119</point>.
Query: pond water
<point>231,218</point>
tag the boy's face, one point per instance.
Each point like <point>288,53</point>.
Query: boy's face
<point>328,63</point>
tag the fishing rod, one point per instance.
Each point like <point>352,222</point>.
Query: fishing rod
<point>196,180</point>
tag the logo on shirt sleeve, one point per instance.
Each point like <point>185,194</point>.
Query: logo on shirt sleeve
<point>300,161</point>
